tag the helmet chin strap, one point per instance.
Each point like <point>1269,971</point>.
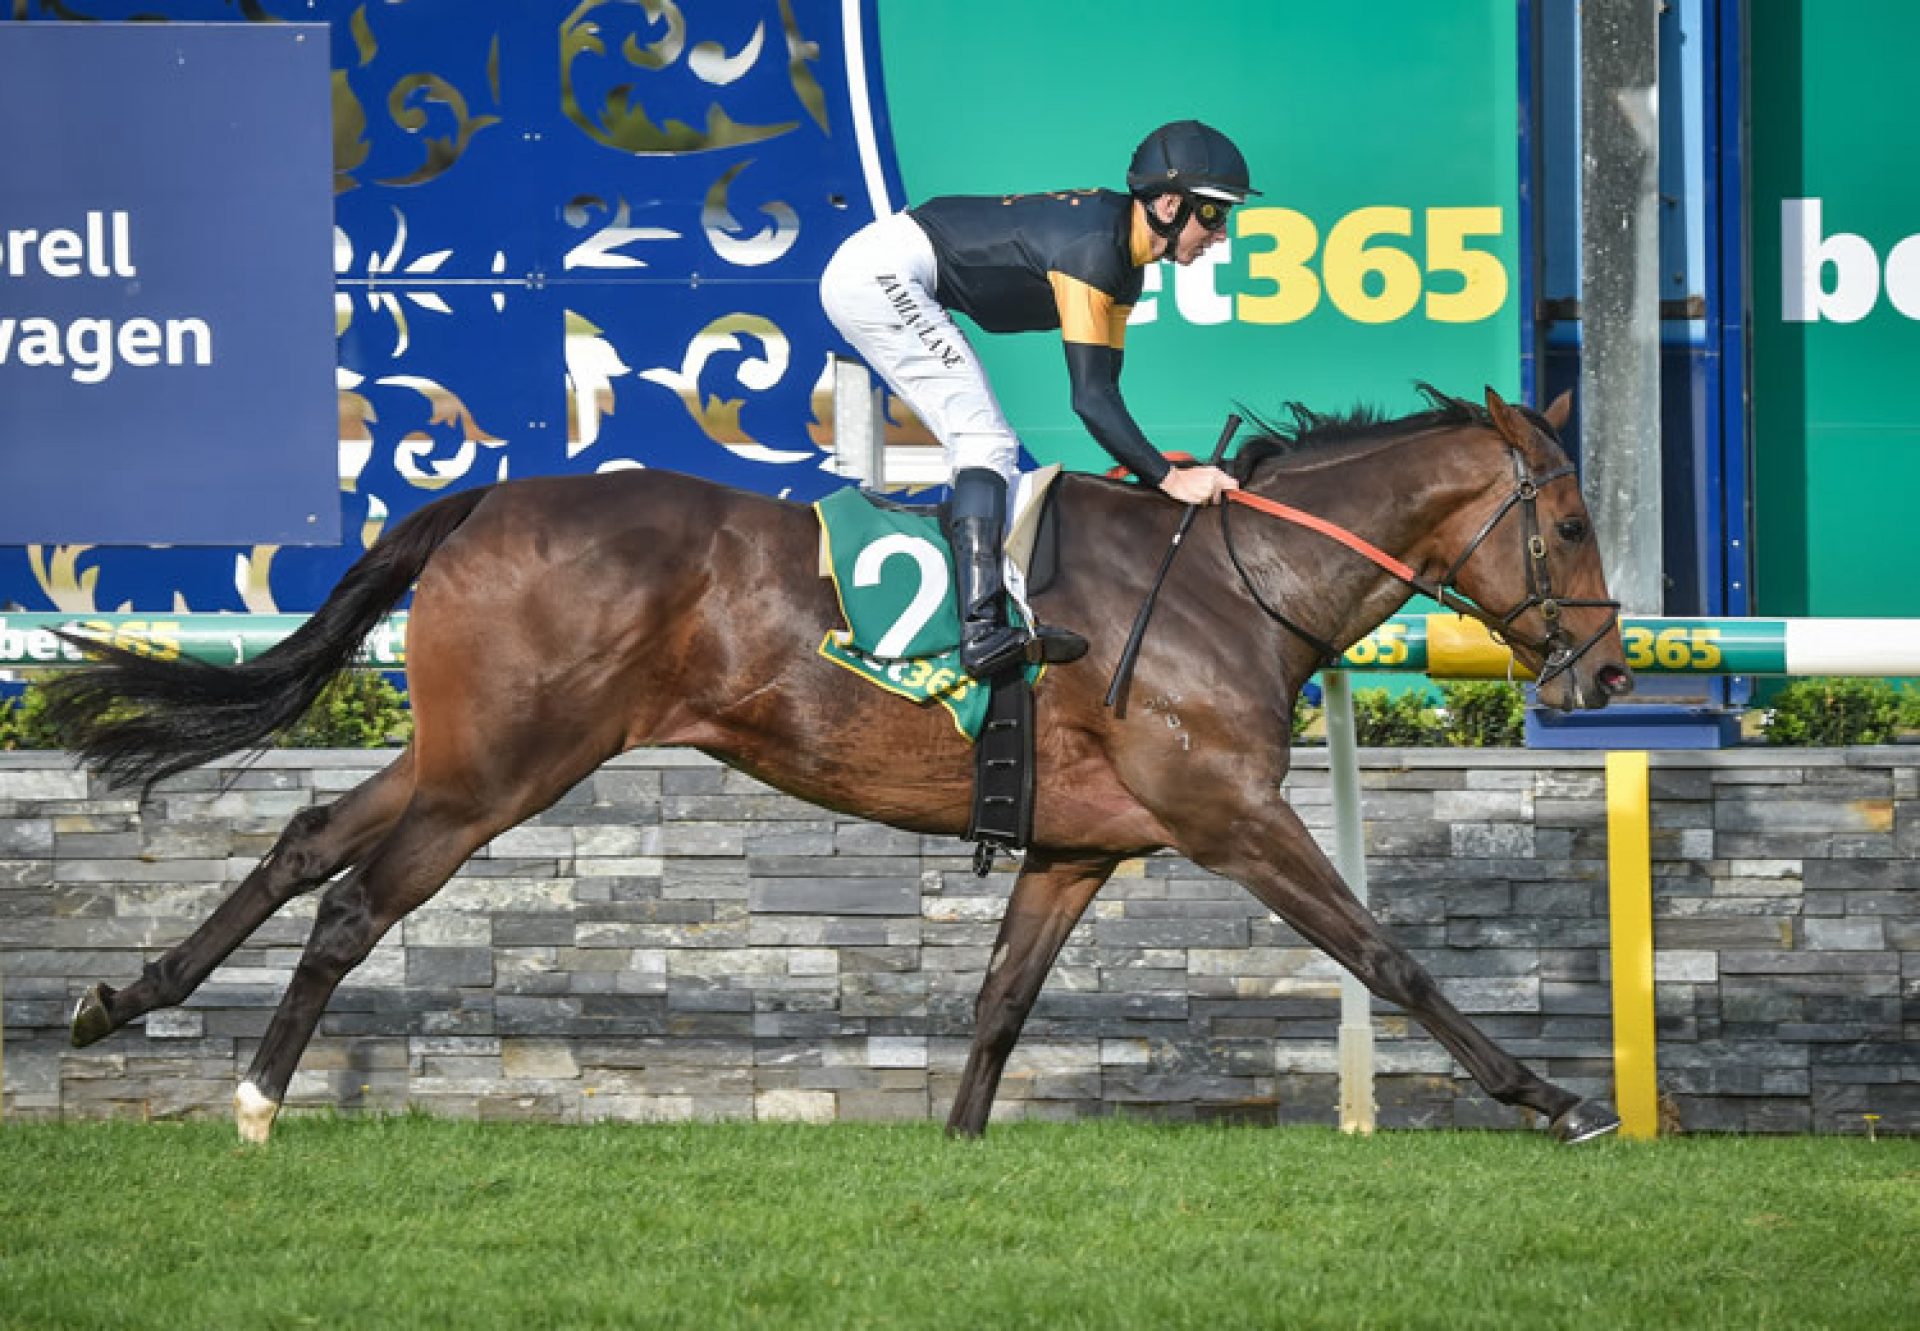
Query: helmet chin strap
<point>1169,229</point>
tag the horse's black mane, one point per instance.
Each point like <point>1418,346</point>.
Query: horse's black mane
<point>1311,430</point>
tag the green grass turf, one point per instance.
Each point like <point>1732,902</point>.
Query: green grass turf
<point>412,1222</point>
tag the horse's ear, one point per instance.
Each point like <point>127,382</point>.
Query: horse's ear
<point>1559,411</point>
<point>1511,424</point>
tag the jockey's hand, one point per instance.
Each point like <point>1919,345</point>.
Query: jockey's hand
<point>1197,485</point>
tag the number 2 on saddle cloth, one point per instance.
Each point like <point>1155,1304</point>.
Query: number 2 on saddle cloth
<point>892,571</point>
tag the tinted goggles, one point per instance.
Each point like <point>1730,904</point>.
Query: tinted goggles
<point>1211,213</point>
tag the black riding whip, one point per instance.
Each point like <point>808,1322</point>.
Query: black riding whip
<point>1123,672</point>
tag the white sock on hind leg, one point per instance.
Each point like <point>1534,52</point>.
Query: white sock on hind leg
<point>253,1113</point>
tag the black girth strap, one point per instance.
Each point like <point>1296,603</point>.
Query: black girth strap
<point>1003,773</point>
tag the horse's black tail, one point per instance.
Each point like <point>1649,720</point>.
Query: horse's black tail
<point>136,719</point>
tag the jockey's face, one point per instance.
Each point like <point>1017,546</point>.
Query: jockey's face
<point>1195,238</point>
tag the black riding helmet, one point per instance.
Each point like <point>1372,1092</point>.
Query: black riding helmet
<point>1192,160</point>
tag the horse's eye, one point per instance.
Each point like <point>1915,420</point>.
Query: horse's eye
<point>1573,529</point>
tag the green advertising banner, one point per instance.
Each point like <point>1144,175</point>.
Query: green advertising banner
<point>1385,248</point>
<point>1445,646</point>
<point>1836,280</point>
<point>33,641</point>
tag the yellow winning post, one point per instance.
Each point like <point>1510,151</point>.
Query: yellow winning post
<point>1630,875</point>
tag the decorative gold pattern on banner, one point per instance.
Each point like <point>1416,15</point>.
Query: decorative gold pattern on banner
<point>592,367</point>
<point>722,228</point>
<point>718,417</point>
<point>375,523</point>
<point>356,429</point>
<point>643,77</point>
<point>620,121</point>
<point>710,62</point>
<point>898,425</point>
<point>253,579</point>
<point>601,249</point>
<point>414,457</point>
<point>363,38</point>
<point>820,400</point>
<point>389,265</point>
<point>441,153</point>
<point>801,53</point>
<point>350,146</point>
<point>390,304</point>
<point>57,569</point>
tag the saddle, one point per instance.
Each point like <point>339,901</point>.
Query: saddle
<point>880,555</point>
<point>1034,542</point>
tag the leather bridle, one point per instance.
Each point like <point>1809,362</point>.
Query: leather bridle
<point>1555,647</point>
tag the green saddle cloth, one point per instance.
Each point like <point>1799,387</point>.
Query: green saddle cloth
<point>893,573</point>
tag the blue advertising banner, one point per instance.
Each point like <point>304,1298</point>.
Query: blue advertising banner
<point>167,355</point>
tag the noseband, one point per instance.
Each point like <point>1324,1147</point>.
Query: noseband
<point>1555,648</point>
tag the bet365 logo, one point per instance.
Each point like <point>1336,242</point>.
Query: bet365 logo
<point>1373,266</point>
<point>1808,254</point>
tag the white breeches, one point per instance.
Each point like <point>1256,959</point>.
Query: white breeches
<point>879,291</point>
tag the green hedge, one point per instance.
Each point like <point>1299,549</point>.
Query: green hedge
<point>1467,716</point>
<point>363,710</point>
<point>359,710</point>
<point>1829,713</point>
<point>23,722</point>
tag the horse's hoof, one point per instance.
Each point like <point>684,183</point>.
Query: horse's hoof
<point>253,1114</point>
<point>1585,1121</point>
<point>90,1019</point>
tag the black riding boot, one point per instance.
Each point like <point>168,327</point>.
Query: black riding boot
<point>988,644</point>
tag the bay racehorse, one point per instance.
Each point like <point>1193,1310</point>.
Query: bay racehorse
<point>559,621</point>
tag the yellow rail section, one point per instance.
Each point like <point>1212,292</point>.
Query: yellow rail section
<point>1630,924</point>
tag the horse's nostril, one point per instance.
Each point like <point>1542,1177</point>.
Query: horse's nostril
<point>1615,680</point>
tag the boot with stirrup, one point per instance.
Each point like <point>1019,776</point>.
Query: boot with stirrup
<point>988,643</point>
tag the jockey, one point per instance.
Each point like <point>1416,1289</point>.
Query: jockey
<point>1074,261</point>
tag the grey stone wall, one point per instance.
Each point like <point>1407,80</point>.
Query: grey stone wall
<point>673,940</point>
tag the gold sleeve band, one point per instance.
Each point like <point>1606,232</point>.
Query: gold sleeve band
<point>1088,314</point>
